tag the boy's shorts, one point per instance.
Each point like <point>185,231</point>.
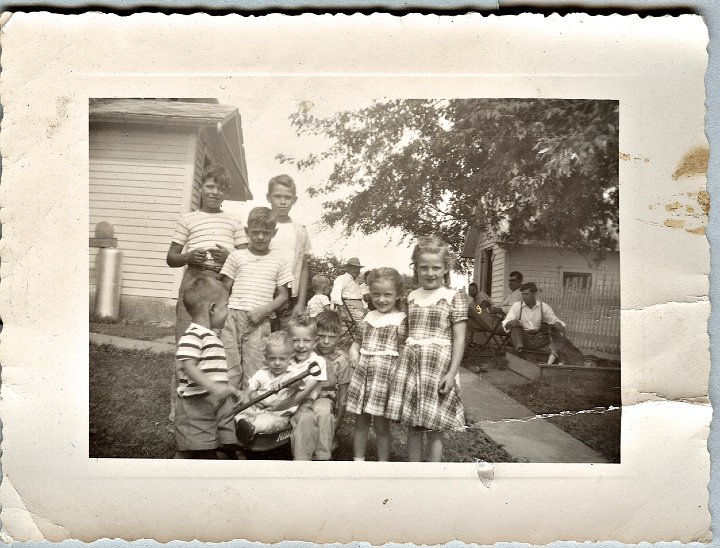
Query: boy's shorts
<point>201,423</point>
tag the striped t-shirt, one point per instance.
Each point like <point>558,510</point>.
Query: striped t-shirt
<point>201,344</point>
<point>255,277</point>
<point>199,229</point>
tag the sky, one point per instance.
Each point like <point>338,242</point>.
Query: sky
<point>266,133</point>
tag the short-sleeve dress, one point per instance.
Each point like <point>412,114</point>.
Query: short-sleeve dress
<point>414,398</point>
<point>381,337</point>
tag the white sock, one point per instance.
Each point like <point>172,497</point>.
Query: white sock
<point>358,458</point>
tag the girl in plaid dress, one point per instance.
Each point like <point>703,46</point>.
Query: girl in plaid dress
<point>424,394</point>
<point>374,357</point>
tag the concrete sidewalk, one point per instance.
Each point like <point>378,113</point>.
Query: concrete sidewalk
<point>158,346</point>
<point>515,427</point>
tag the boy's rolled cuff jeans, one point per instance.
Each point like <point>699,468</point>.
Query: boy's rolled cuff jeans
<point>244,343</point>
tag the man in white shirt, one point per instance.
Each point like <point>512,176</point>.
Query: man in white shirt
<point>514,281</point>
<point>345,288</point>
<point>525,320</point>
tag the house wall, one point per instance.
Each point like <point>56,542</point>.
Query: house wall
<point>539,263</point>
<point>139,176</point>
<point>499,270</point>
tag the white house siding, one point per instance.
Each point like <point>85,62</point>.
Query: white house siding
<point>539,263</point>
<point>499,271</point>
<point>138,183</point>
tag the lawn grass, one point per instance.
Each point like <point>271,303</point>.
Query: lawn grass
<point>129,405</point>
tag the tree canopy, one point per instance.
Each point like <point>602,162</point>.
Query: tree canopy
<point>542,170</point>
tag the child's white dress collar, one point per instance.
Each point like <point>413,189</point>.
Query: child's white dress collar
<point>423,297</point>
<point>378,319</point>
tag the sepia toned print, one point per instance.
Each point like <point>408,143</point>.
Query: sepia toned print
<point>524,195</point>
<point>369,169</point>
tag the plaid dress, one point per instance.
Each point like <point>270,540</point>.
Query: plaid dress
<point>381,336</point>
<point>414,399</point>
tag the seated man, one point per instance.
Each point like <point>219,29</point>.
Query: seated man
<point>514,281</point>
<point>525,320</point>
<point>479,317</point>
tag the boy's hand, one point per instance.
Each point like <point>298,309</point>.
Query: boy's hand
<point>256,316</point>
<point>219,254</point>
<point>513,323</point>
<point>196,256</point>
<point>446,383</point>
<point>225,391</point>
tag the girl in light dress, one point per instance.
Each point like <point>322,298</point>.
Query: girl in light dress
<point>424,394</point>
<point>374,357</point>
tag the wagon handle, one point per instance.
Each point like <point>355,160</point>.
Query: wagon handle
<point>312,369</point>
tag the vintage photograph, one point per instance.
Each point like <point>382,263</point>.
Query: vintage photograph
<point>346,279</point>
<point>354,278</point>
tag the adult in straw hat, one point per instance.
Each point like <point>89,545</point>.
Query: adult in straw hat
<point>345,288</point>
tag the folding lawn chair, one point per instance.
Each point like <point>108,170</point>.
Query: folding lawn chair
<point>349,319</point>
<point>496,340</point>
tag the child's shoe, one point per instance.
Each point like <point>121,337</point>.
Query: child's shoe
<point>244,431</point>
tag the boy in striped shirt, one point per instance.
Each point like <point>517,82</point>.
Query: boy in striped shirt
<point>253,275</point>
<point>204,426</point>
<point>202,241</point>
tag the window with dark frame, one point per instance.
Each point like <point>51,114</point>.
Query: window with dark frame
<point>577,280</point>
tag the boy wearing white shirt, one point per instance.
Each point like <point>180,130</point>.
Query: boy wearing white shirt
<point>292,240</point>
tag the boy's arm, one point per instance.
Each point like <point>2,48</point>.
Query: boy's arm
<point>354,354</point>
<point>219,390</point>
<point>302,287</point>
<point>226,281</point>
<point>341,402</point>
<point>176,258</point>
<point>262,312</point>
<point>297,397</point>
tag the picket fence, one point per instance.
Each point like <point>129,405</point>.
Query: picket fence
<point>592,313</point>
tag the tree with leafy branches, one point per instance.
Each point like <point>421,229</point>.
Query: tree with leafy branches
<point>541,170</point>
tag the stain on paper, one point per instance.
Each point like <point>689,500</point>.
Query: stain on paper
<point>695,162</point>
<point>627,157</point>
<point>306,106</point>
<point>689,211</point>
<point>61,106</point>
<point>674,223</point>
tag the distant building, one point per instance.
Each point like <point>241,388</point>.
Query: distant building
<point>543,264</point>
<point>584,294</point>
<point>146,157</point>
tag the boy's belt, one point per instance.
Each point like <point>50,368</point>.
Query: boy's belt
<point>215,269</point>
